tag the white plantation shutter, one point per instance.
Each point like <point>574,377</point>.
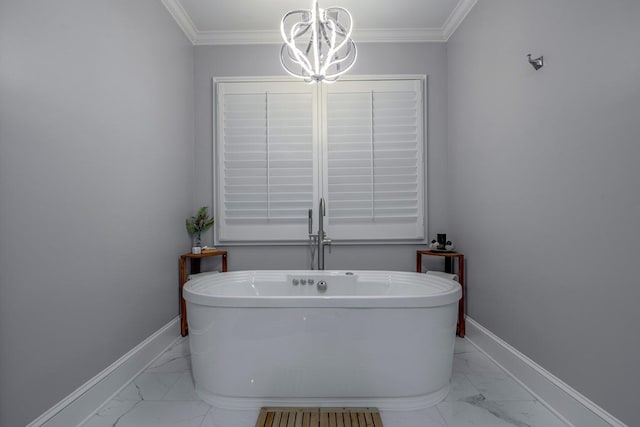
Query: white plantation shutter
<point>280,146</point>
<point>374,178</point>
<point>266,160</point>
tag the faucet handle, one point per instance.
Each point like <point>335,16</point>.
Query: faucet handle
<point>327,242</point>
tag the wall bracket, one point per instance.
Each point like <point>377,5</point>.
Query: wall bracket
<point>536,63</point>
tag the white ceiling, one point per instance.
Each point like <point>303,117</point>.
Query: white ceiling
<point>209,22</point>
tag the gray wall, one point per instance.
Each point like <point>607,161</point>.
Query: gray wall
<point>379,59</point>
<point>544,175</point>
<point>96,161</point>
<point>537,183</point>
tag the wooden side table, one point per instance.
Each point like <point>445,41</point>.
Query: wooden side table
<point>449,256</point>
<point>194,269</point>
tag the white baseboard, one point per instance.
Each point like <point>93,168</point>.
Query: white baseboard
<point>82,403</point>
<point>568,404</point>
<point>564,401</point>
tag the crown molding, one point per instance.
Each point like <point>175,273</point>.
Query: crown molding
<point>383,35</point>
<point>398,35</point>
<point>237,37</point>
<point>458,14</point>
<point>182,19</point>
<point>412,35</point>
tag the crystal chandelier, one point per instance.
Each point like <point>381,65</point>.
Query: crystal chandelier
<point>318,45</point>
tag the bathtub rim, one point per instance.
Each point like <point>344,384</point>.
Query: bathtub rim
<point>451,295</point>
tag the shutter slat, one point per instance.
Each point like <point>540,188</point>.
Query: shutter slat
<point>374,141</point>
<point>268,159</point>
<point>267,150</point>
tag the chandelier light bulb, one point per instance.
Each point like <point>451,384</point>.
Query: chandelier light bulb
<point>317,43</point>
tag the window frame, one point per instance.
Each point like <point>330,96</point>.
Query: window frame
<point>320,153</point>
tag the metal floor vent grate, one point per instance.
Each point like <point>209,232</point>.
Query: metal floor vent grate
<point>319,417</point>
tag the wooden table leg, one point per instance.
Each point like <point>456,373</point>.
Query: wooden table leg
<point>183,304</point>
<point>418,262</point>
<point>461,326</point>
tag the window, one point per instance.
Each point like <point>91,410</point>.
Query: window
<point>280,146</point>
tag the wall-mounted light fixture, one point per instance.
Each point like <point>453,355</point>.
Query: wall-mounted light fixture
<point>318,46</point>
<point>536,63</point>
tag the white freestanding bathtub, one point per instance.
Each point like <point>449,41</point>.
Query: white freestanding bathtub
<point>278,338</point>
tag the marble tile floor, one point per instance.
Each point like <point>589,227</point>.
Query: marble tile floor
<point>482,395</point>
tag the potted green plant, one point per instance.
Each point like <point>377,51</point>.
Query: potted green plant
<point>196,225</point>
